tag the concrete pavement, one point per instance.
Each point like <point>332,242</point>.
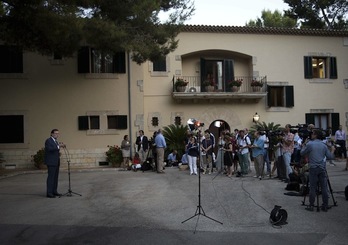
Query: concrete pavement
<point>147,208</point>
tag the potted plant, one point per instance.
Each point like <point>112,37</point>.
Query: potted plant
<point>114,155</point>
<point>180,85</point>
<point>235,84</point>
<point>209,85</point>
<point>256,85</point>
<point>39,159</point>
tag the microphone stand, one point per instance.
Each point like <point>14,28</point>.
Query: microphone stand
<point>70,192</point>
<point>199,210</point>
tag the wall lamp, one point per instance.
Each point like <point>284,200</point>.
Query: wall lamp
<point>256,118</point>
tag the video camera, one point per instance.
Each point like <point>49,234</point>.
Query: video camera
<point>305,132</point>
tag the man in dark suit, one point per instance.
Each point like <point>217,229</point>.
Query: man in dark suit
<point>142,145</point>
<point>52,161</point>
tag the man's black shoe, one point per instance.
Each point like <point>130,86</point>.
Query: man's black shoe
<point>324,208</point>
<point>310,208</point>
<point>51,196</point>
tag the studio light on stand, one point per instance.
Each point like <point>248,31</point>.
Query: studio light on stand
<point>256,118</point>
<point>193,124</point>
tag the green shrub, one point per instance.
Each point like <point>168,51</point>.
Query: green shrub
<point>114,155</point>
<point>39,158</point>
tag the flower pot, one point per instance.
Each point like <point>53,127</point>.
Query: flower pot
<point>209,88</point>
<point>256,88</point>
<point>180,88</point>
<point>235,88</point>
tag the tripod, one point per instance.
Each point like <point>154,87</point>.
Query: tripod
<point>70,192</point>
<point>318,192</point>
<point>199,210</point>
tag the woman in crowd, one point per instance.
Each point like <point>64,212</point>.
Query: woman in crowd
<point>192,154</point>
<point>228,155</point>
<point>125,148</point>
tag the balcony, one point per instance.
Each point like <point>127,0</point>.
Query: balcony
<point>194,91</point>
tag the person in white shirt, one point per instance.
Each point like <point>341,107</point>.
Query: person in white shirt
<point>243,155</point>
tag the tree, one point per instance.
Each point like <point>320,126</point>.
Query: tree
<point>175,136</point>
<point>319,14</point>
<point>60,26</point>
<point>275,19</point>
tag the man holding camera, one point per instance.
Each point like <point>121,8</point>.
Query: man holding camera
<point>316,151</point>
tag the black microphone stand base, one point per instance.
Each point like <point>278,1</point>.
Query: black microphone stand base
<point>200,211</point>
<point>70,192</point>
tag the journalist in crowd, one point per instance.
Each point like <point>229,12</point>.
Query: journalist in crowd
<point>317,153</point>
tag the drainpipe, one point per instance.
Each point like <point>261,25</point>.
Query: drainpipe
<point>129,105</point>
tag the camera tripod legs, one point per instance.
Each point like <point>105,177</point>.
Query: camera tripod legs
<point>318,192</point>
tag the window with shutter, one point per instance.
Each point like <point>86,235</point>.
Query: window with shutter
<point>320,67</point>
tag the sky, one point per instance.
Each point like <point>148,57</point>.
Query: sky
<point>231,12</point>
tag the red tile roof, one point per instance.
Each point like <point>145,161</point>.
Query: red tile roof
<point>264,30</point>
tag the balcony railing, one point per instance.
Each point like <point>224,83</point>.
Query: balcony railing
<point>196,90</point>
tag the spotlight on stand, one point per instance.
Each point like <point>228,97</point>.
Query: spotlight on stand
<point>194,124</point>
<point>256,118</point>
<point>191,123</point>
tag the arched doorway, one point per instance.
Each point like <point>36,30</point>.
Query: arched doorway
<point>216,128</point>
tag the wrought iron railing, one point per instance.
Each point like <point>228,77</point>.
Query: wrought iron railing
<point>195,84</point>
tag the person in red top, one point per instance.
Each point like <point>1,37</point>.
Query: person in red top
<point>136,162</point>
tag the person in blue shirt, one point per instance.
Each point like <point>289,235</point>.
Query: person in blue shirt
<point>316,151</point>
<point>160,146</point>
<point>257,152</point>
<point>172,161</point>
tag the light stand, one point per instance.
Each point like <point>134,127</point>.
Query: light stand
<point>199,210</point>
<point>222,164</point>
<point>70,192</point>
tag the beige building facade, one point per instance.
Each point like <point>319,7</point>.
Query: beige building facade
<point>94,99</point>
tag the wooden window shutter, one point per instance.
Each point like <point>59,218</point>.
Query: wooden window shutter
<point>121,122</point>
<point>11,59</point>
<point>83,60</point>
<point>289,96</point>
<point>335,121</point>
<point>203,70</point>
<point>333,68</point>
<point>309,118</point>
<point>228,71</point>
<point>269,102</point>
<point>83,122</point>
<point>308,70</point>
<point>119,62</point>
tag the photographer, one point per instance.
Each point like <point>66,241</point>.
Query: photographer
<point>316,151</point>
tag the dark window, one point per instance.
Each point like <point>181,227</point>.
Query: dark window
<point>280,96</point>
<point>57,56</point>
<point>324,120</point>
<point>94,122</point>
<point>94,61</point>
<point>160,65</point>
<point>177,121</point>
<point>320,67</point>
<point>12,129</point>
<point>11,59</point>
<point>112,122</point>
<point>218,71</point>
<point>154,121</point>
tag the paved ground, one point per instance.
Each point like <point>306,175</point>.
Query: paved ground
<point>147,208</point>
